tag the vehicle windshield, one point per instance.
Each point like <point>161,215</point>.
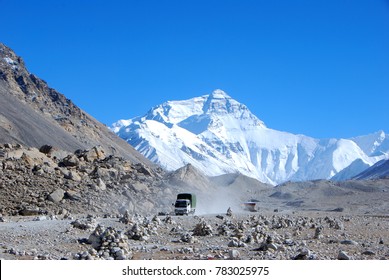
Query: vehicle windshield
<point>181,203</point>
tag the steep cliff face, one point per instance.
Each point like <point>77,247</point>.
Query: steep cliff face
<point>34,114</point>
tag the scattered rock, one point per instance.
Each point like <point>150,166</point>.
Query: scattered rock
<point>348,242</point>
<point>73,175</point>
<point>318,232</point>
<point>343,256</point>
<point>46,149</point>
<point>87,224</point>
<point>188,238</point>
<point>235,242</point>
<point>334,223</point>
<point>96,153</point>
<point>202,229</point>
<point>368,253</point>
<point>70,161</point>
<point>138,232</point>
<point>57,195</point>
<point>229,212</point>
<point>40,218</point>
<point>139,187</point>
<point>72,195</point>
<point>233,254</point>
<point>30,212</point>
<point>303,254</point>
<point>141,168</point>
<point>126,218</point>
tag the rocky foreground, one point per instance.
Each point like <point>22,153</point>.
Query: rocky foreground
<point>302,236</point>
<point>90,205</point>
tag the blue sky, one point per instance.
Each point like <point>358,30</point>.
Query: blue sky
<point>319,68</point>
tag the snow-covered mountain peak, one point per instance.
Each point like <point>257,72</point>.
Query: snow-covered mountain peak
<point>219,94</point>
<point>374,144</point>
<point>200,113</point>
<point>219,102</point>
<point>222,109</point>
<point>218,135</point>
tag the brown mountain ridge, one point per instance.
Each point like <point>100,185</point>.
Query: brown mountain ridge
<point>34,114</point>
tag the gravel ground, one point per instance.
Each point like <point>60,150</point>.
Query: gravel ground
<point>245,235</point>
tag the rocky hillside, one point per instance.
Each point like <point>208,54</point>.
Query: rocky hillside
<point>49,181</point>
<point>33,114</point>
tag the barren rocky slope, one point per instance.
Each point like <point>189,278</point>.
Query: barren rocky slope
<point>33,114</point>
<point>51,181</point>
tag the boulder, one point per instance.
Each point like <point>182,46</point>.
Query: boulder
<point>15,154</point>
<point>101,185</point>
<point>70,161</point>
<point>30,212</point>
<point>318,232</point>
<point>57,195</point>
<point>73,175</point>
<point>343,256</point>
<point>87,224</point>
<point>46,149</point>
<point>94,154</point>
<point>139,187</point>
<point>233,254</point>
<point>141,168</point>
<point>72,195</point>
<point>229,212</point>
<point>349,242</point>
<point>303,254</point>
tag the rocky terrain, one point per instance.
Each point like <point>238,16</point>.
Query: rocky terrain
<point>51,182</point>
<point>34,114</point>
<point>290,236</point>
<point>91,205</point>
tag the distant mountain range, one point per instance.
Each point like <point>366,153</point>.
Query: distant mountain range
<point>219,135</point>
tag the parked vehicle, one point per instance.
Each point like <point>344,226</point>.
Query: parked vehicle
<point>250,205</point>
<point>185,204</point>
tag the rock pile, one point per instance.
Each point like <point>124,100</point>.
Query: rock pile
<point>142,228</point>
<point>89,223</point>
<point>202,229</point>
<point>107,244</point>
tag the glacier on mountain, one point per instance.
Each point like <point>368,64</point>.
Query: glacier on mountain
<point>219,135</point>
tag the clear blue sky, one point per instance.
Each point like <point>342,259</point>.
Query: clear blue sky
<point>319,68</point>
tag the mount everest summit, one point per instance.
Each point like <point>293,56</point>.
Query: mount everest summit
<point>219,135</point>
